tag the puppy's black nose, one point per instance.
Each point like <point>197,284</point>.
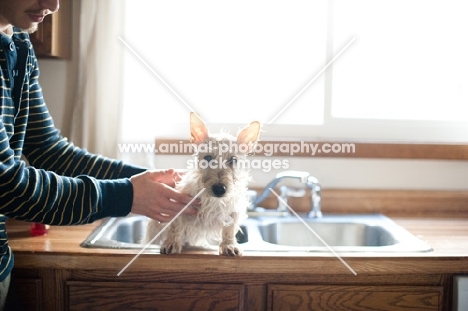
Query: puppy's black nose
<point>218,190</point>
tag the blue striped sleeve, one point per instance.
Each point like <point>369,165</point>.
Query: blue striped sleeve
<point>63,185</point>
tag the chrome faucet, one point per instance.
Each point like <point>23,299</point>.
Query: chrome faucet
<point>304,177</point>
<point>286,193</point>
<point>315,197</point>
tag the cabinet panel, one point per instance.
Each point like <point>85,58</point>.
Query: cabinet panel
<point>153,296</point>
<point>354,298</point>
<point>30,293</point>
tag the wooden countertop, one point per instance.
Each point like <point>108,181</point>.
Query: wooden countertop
<point>60,249</point>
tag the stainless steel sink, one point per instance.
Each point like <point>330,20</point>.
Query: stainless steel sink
<point>333,234</point>
<point>121,232</point>
<point>342,233</point>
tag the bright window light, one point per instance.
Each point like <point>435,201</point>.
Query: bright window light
<point>405,77</point>
<point>232,62</point>
<point>409,61</point>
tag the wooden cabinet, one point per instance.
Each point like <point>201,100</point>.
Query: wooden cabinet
<point>53,37</point>
<point>153,296</point>
<point>29,291</point>
<point>145,290</point>
<point>26,290</point>
<point>354,298</point>
<point>53,272</point>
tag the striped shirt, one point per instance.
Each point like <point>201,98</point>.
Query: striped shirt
<point>62,184</point>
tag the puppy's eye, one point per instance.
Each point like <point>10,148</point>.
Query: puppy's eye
<point>232,161</point>
<point>208,158</point>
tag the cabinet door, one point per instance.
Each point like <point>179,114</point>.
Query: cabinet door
<point>153,296</point>
<point>354,298</point>
<point>30,293</point>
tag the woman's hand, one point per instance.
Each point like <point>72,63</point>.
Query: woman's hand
<point>154,195</point>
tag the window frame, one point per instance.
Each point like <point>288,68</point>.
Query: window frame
<point>380,150</point>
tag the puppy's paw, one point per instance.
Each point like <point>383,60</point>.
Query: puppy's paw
<point>169,249</point>
<point>230,250</point>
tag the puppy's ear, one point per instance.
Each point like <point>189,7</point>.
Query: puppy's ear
<point>198,130</point>
<point>248,136</point>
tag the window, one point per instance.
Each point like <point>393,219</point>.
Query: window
<point>404,77</point>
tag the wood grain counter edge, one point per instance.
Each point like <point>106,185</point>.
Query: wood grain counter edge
<point>60,249</point>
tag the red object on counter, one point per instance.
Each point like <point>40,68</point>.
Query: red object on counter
<point>38,229</point>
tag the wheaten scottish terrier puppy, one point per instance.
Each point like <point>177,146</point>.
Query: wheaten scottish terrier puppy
<point>219,167</point>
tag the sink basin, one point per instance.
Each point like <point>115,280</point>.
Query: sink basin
<point>334,234</point>
<point>342,233</point>
<point>120,232</point>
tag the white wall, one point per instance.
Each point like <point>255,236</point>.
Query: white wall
<point>53,79</point>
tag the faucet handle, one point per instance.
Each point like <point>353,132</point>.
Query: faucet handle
<point>301,175</point>
<point>285,193</point>
<point>311,180</point>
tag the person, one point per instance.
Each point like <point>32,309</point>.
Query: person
<point>61,184</point>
